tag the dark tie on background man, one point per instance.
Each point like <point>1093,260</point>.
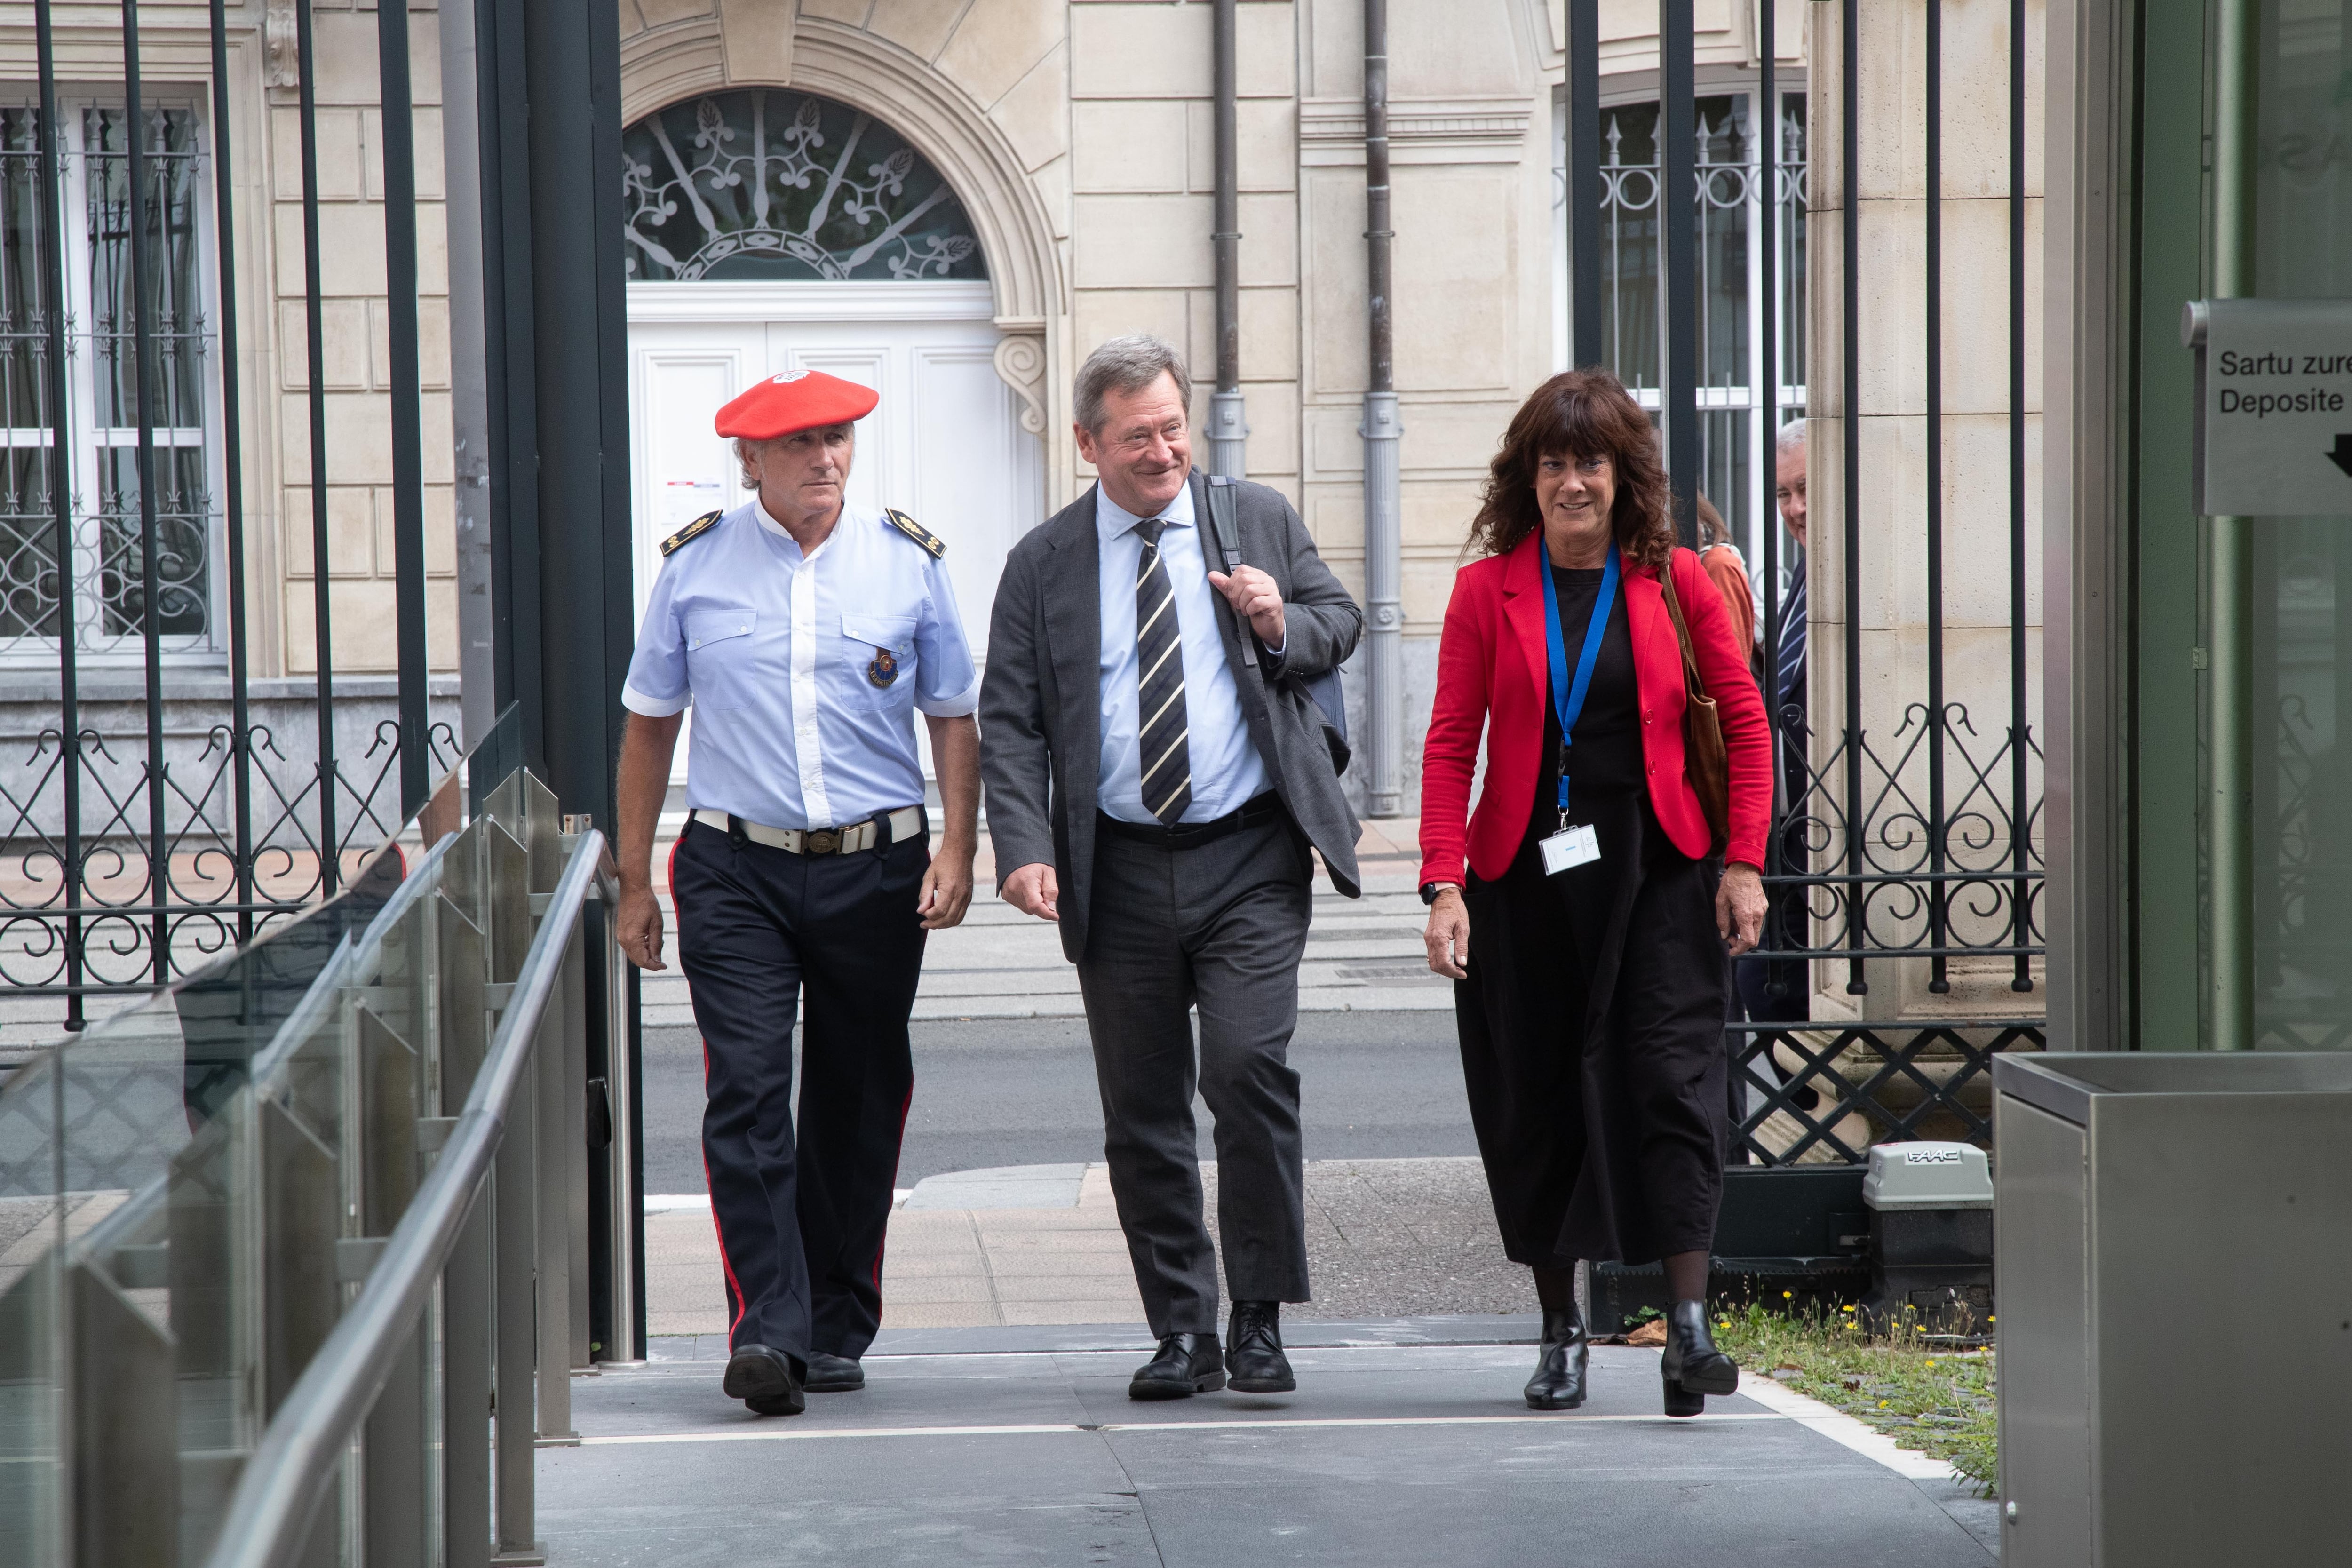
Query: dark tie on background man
<point>1165,760</point>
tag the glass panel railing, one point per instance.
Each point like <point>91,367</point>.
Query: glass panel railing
<point>194,1191</point>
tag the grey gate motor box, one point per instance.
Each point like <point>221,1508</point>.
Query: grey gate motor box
<point>1931,1236</point>
<point>2175,1254</point>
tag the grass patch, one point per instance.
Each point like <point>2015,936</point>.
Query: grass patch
<point>1924,1393</point>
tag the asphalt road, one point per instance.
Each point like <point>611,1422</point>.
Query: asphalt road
<point>1022,1092</point>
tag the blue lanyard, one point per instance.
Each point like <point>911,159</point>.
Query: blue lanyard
<point>1568,700</point>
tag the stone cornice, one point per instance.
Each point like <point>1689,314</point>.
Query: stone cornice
<point>1421,130</point>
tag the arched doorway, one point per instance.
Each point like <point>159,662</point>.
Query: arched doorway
<point>769,230</point>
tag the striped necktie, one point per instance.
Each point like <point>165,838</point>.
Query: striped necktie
<point>1165,761</point>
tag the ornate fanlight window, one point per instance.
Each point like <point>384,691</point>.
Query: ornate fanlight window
<point>761,182</point>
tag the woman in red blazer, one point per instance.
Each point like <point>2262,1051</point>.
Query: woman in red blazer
<point>1590,1003</point>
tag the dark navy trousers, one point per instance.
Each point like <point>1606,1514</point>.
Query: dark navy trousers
<point>801,1220</point>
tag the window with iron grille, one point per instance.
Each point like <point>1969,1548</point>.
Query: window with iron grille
<point>1732,386</point>
<point>96,585</point>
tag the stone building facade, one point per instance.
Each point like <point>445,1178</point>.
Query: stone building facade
<point>1066,145</point>
<point>1075,135</point>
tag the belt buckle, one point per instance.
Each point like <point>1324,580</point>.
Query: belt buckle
<point>824,841</point>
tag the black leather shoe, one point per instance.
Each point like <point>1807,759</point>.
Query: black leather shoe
<point>1692,1367</point>
<point>1186,1365</point>
<point>829,1374</point>
<point>1253,1359</point>
<point>1559,1382</point>
<point>764,1379</point>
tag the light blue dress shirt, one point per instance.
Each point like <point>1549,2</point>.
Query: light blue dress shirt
<point>1226,767</point>
<point>777,652</point>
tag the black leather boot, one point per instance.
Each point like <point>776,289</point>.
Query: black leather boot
<point>1559,1382</point>
<point>1692,1367</point>
<point>1253,1359</point>
<point>1186,1365</point>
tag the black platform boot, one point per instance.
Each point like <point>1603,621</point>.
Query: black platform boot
<point>1692,1368</point>
<point>1559,1382</point>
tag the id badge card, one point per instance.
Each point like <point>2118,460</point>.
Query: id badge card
<point>1570,848</point>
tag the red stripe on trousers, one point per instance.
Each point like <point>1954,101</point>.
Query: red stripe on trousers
<point>726,1263</point>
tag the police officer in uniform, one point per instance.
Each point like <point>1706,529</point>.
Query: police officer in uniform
<point>805,632</point>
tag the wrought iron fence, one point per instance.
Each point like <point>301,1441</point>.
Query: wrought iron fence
<point>1904,863</point>
<point>172,802</point>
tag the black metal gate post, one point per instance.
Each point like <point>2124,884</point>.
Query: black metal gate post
<point>315,341</point>
<point>151,610</point>
<point>565,399</point>
<point>240,715</point>
<point>555,306</point>
<point>408,395</point>
<point>1678,196</point>
<point>60,481</point>
<point>1584,192</point>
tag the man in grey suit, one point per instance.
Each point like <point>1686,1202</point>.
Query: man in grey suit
<point>1157,774</point>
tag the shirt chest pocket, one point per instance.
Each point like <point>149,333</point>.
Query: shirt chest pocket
<point>718,658</point>
<point>880,653</point>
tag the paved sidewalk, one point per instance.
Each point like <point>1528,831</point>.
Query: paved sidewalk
<point>1040,1243</point>
<point>991,1446</point>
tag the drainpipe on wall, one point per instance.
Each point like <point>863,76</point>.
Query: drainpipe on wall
<point>1381,431</point>
<point>1228,430</point>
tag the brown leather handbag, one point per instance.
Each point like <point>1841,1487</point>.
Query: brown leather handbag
<point>1705,760</point>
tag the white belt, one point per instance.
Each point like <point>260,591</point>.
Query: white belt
<point>906,823</point>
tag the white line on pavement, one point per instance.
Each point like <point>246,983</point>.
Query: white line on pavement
<point>803,1434</point>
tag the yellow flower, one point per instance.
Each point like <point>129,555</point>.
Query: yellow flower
<point>1931,1361</point>
<point>1788,1295</point>
<point>1881,1405</point>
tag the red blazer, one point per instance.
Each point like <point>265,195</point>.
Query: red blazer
<point>1494,674</point>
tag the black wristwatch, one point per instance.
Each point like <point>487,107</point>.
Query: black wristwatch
<point>1429,891</point>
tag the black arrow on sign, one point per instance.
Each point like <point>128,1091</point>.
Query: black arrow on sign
<point>2342,455</point>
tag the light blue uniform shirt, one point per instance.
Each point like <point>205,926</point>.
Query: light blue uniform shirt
<point>774,650</point>
<point>1226,768</point>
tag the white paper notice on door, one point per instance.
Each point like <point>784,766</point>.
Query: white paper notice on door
<point>2273,406</point>
<point>682,500</point>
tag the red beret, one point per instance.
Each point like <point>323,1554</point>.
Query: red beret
<point>796,400</point>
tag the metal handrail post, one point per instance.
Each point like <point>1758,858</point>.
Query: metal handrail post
<point>625,1210</point>
<point>515,1215</point>
<point>465,1394</point>
<point>554,1231</point>
<point>571,1140</point>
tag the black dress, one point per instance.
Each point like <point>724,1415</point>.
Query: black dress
<point>1592,1021</point>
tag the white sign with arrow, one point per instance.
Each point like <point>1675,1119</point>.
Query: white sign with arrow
<point>2273,406</point>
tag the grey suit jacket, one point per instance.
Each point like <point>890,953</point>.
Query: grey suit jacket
<point>1041,699</point>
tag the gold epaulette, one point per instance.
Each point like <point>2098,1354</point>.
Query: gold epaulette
<point>691,531</point>
<point>917,531</point>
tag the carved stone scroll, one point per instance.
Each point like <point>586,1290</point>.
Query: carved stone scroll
<point>1021,361</point>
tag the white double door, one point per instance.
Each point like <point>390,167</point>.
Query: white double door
<point>945,445</point>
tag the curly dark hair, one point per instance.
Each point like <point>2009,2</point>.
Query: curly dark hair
<point>1583,414</point>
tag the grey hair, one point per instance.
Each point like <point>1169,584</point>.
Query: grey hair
<point>1790,437</point>
<point>744,446</point>
<point>1128,364</point>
